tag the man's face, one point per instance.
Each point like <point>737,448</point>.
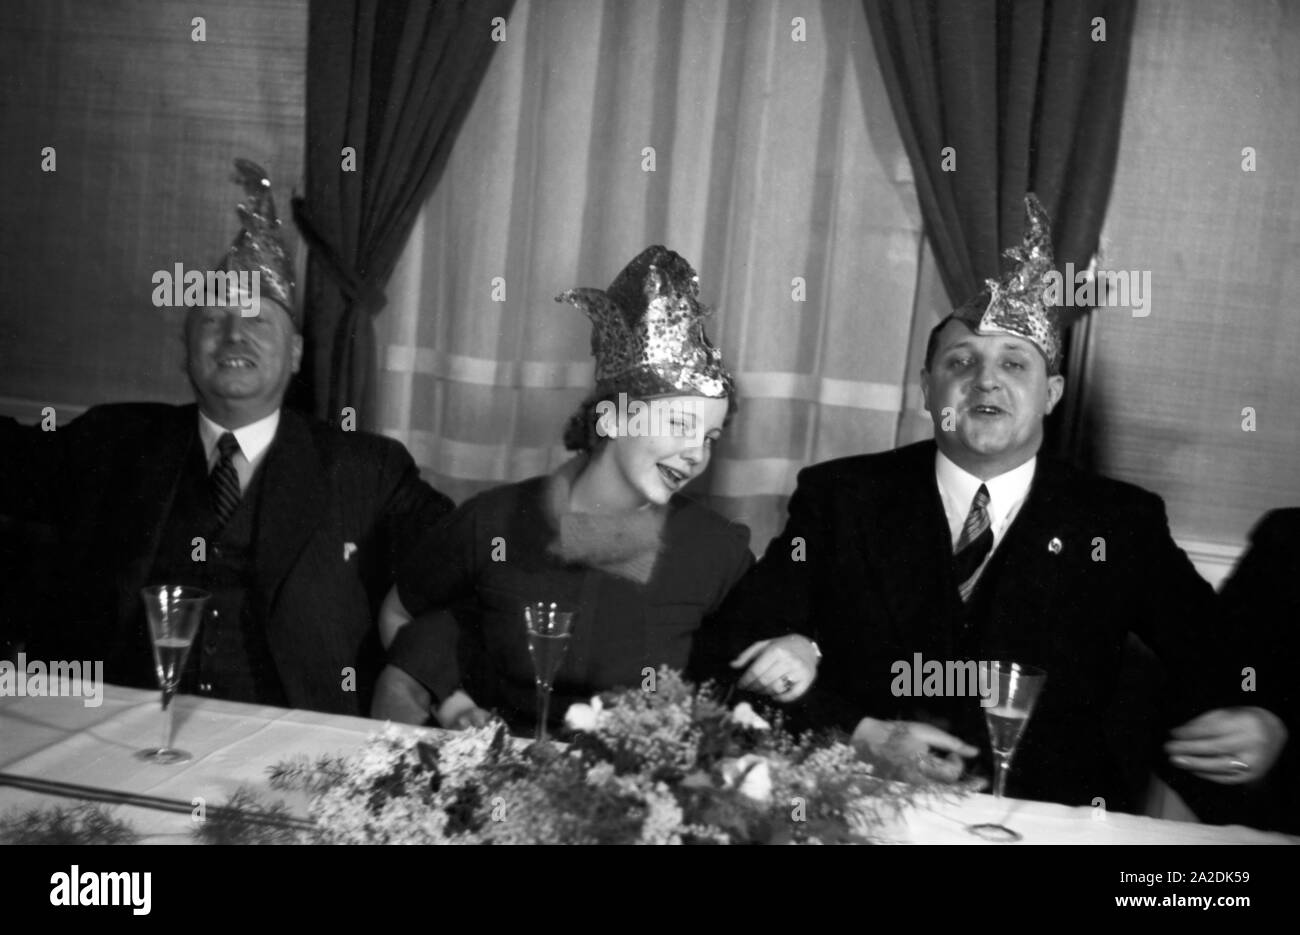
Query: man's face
<point>987,395</point>
<point>241,366</point>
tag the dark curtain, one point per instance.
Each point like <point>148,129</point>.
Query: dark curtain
<point>1027,99</point>
<point>393,80</point>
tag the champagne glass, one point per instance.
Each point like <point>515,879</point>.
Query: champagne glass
<point>548,639</point>
<point>174,613</point>
<point>1018,687</point>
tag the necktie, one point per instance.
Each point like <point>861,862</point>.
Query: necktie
<point>974,544</point>
<point>224,479</point>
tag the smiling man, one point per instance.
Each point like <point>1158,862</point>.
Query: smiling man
<point>293,526</point>
<point>974,547</point>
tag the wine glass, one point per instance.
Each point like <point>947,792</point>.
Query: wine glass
<point>174,613</point>
<point>548,639</point>
<point>1018,687</point>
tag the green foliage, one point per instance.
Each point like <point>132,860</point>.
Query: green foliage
<point>77,824</point>
<point>244,819</point>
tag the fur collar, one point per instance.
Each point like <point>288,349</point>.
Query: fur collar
<point>622,544</point>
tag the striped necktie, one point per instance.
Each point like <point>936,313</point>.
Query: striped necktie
<point>224,479</point>
<point>974,544</point>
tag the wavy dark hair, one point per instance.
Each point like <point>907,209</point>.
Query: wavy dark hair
<point>580,431</point>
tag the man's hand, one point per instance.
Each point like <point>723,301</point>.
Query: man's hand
<point>459,712</point>
<point>913,742</point>
<point>1228,745</point>
<point>784,668</point>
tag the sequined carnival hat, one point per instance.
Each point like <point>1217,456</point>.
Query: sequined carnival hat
<point>259,247</point>
<point>648,331</point>
<point>1021,302</point>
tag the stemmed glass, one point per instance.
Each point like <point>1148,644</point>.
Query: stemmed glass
<point>548,639</point>
<point>1018,687</point>
<point>174,613</point>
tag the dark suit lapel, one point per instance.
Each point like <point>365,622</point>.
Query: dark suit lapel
<point>157,470</point>
<point>1049,515</point>
<point>906,533</point>
<point>149,483</point>
<point>1048,535</point>
<point>294,500</point>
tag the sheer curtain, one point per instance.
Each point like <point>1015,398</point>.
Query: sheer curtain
<point>754,138</point>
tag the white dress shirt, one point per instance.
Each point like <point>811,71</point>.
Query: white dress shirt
<point>253,440</point>
<point>1007,493</point>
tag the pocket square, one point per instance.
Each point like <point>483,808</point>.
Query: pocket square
<point>348,549</point>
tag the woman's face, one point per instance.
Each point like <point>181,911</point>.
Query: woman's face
<point>659,445</point>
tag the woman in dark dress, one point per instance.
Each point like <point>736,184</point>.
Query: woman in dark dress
<point>608,535</point>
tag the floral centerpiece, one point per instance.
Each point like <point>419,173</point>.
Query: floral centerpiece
<point>668,766</point>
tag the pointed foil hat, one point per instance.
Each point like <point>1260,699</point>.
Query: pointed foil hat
<point>1021,302</point>
<point>258,247</point>
<point>648,331</point>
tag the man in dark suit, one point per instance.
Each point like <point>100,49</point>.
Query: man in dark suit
<point>971,547</point>
<point>294,527</point>
<point>1261,603</point>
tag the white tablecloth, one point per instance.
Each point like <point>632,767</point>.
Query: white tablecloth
<point>233,744</point>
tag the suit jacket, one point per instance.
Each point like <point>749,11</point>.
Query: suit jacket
<point>338,510</point>
<point>865,567</point>
<point>1261,604</point>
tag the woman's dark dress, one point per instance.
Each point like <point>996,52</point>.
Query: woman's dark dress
<point>493,555</point>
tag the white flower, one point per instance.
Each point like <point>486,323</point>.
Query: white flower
<point>752,773</point>
<point>584,717</point>
<point>745,715</point>
<point>663,819</point>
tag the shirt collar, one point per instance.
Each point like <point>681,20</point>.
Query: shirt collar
<point>253,438</point>
<point>1006,491</point>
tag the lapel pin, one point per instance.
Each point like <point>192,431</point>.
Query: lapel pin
<point>350,547</point>
<point>1055,546</point>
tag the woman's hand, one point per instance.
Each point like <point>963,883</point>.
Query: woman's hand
<point>400,698</point>
<point>784,668</point>
<point>1230,746</point>
<point>914,743</point>
<point>459,712</point>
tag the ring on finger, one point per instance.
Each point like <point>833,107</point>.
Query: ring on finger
<point>1238,764</point>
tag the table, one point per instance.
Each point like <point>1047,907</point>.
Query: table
<point>233,744</point>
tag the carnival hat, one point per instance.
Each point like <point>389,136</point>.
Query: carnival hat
<point>648,333</point>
